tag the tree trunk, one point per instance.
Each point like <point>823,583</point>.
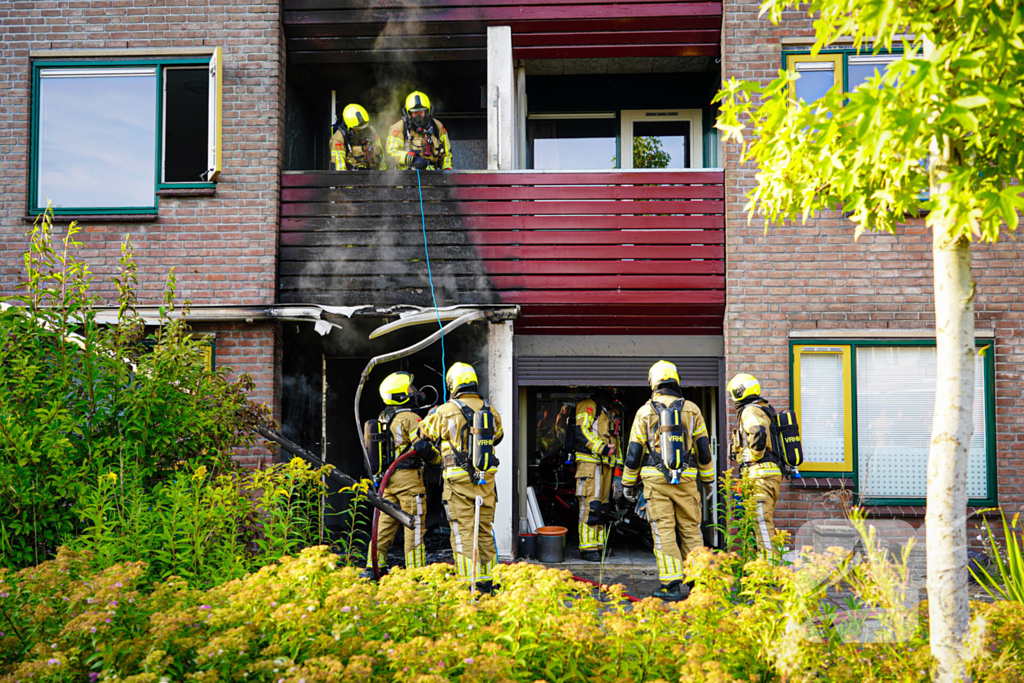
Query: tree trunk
<point>952,428</point>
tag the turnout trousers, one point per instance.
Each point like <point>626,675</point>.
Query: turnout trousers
<point>764,498</point>
<point>406,489</point>
<point>459,497</point>
<point>674,512</point>
<point>594,490</point>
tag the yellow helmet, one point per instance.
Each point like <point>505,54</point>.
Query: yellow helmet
<point>743,386</point>
<point>396,388</point>
<point>662,372</point>
<point>355,116</point>
<point>418,100</point>
<point>460,375</point>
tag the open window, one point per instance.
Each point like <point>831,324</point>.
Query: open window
<point>108,135</point>
<point>662,138</point>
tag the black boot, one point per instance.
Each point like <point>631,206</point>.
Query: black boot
<point>673,592</point>
<point>487,587</point>
<point>590,555</point>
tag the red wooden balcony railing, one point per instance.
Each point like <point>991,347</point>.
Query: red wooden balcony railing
<point>581,252</point>
<point>354,30</point>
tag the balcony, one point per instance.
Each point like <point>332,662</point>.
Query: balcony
<point>640,252</point>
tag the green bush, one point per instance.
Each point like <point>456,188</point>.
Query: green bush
<point>305,619</point>
<point>79,400</point>
<point>203,527</point>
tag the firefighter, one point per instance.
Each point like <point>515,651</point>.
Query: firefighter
<point>419,140</point>
<point>751,447</point>
<point>598,462</point>
<point>463,429</point>
<point>669,476</point>
<point>405,487</point>
<point>355,145</point>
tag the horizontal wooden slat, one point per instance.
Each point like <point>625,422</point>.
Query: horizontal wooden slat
<point>590,267</point>
<point>354,179</point>
<point>648,309</point>
<point>376,283</point>
<point>595,319</point>
<point>621,331</point>
<point>613,297</point>
<point>508,193</point>
<point>569,208</point>
<point>615,38</point>
<point>498,253</point>
<point>648,282</point>
<point>414,5</point>
<point>540,12</point>
<point>567,238</point>
<point>599,51</point>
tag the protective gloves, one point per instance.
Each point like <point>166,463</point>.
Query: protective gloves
<point>630,493</point>
<point>617,488</point>
<point>414,160</point>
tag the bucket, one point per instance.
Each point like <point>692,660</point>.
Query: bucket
<point>528,546</point>
<point>551,544</point>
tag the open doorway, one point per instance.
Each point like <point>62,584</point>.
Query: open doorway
<point>551,474</point>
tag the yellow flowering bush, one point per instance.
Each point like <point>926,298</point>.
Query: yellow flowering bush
<point>306,619</point>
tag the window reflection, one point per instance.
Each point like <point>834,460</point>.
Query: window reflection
<point>568,143</point>
<point>816,79</point>
<point>97,138</point>
<point>661,144</point>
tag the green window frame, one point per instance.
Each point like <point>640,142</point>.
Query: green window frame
<point>850,468</point>
<point>213,62</point>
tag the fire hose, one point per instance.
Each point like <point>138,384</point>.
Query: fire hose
<point>372,497</point>
<point>376,513</point>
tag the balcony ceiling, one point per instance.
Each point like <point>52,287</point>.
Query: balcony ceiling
<point>331,31</point>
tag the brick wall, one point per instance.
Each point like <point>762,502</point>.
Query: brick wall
<point>815,276</point>
<point>223,248</point>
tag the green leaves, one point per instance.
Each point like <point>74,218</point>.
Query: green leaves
<point>865,152</point>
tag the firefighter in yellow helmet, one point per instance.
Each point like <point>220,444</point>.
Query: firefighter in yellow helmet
<point>465,430</point>
<point>355,145</point>
<point>405,487</point>
<point>598,464</point>
<point>419,140</point>
<point>751,447</point>
<point>668,448</point>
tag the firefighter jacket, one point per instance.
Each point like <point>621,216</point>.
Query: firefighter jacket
<point>434,147</point>
<point>345,157</point>
<point>597,428</point>
<point>404,423</point>
<point>751,443</point>
<point>443,429</point>
<point>644,454</point>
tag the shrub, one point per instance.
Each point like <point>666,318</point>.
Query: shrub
<point>79,400</point>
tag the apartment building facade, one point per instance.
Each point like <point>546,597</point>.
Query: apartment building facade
<point>593,217</point>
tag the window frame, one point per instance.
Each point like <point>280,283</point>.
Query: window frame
<point>695,117</point>
<point>838,58</point>
<point>984,346</point>
<point>846,351</point>
<point>160,64</point>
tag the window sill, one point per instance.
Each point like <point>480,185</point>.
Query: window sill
<point>99,218</point>
<point>187,192</point>
<point>819,483</point>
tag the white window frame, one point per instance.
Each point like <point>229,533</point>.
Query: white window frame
<point>695,117</point>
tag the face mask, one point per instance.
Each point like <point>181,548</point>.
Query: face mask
<point>418,117</point>
<point>361,134</point>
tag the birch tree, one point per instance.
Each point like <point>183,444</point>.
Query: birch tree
<point>940,131</point>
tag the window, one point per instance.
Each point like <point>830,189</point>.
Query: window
<point>817,74</point>
<point>572,141</point>
<point>662,139</point>
<point>108,135</point>
<point>865,410</point>
<point>860,68</point>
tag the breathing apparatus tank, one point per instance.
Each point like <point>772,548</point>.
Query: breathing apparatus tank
<point>379,444</point>
<point>482,442</point>
<point>673,442</point>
